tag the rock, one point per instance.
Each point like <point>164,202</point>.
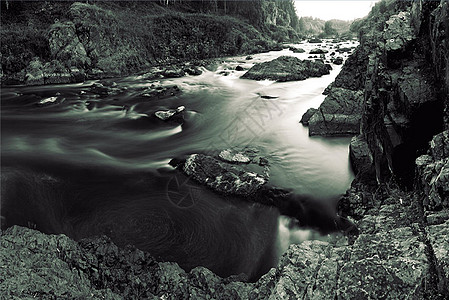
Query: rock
<point>333,124</point>
<point>192,70</point>
<point>233,156</point>
<point>239,68</point>
<point>361,158</point>
<point>221,177</point>
<point>297,50</point>
<point>307,115</point>
<point>318,51</point>
<point>438,236</point>
<point>249,57</point>
<point>343,50</point>
<point>173,73</point>
<point>339,114</point>
<point>315,41</point>
<point>268,97</point>
<point>65,45</point>
<point>338,61</point>
<point>439,146</point>
<point>50,266</point>
<point>398,32</point>
<point>48,100</point>
<point>161,92</point>
<point>394,270</point>
<point>171,114</point>
<point>287,68</point>
<point>432,172</point>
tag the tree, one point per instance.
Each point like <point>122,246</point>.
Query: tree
<point>329,30</point>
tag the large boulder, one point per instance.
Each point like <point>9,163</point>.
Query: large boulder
<point>222,177</point>
<point>318,51</point>
<point>287,68</point>
<point>65,45</point>
<point>339,114</point>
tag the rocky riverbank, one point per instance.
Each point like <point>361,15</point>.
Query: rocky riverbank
<point>66,42</point>
<point>399,200</point>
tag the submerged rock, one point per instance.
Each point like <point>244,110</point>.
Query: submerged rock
<point>171,114</point>
<point>287,68</point>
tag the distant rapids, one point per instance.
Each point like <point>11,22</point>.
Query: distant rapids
<point>84,164</point>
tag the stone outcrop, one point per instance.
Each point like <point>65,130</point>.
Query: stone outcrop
<point>287,68</point>
<point>223,177</point>
<point>339,114</point>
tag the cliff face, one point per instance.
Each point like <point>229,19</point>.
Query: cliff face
<point>405,86</point>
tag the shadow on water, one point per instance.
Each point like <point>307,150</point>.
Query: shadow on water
<point>160,214</point>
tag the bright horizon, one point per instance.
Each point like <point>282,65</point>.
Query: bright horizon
<point>336,9</point>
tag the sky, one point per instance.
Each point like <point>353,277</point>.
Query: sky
<point>336,9</point>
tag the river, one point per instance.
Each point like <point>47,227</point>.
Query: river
<point>84,164</point>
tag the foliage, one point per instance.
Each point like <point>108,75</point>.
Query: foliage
<point>124,37</point>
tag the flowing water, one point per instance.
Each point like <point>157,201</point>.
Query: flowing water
<point>84,164</point>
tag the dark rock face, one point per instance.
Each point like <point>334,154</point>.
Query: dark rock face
<point>361,158</point>
<point>404,111</point>
<point>287,68</point>
<point>307,115</point>
<point>339,114</point>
